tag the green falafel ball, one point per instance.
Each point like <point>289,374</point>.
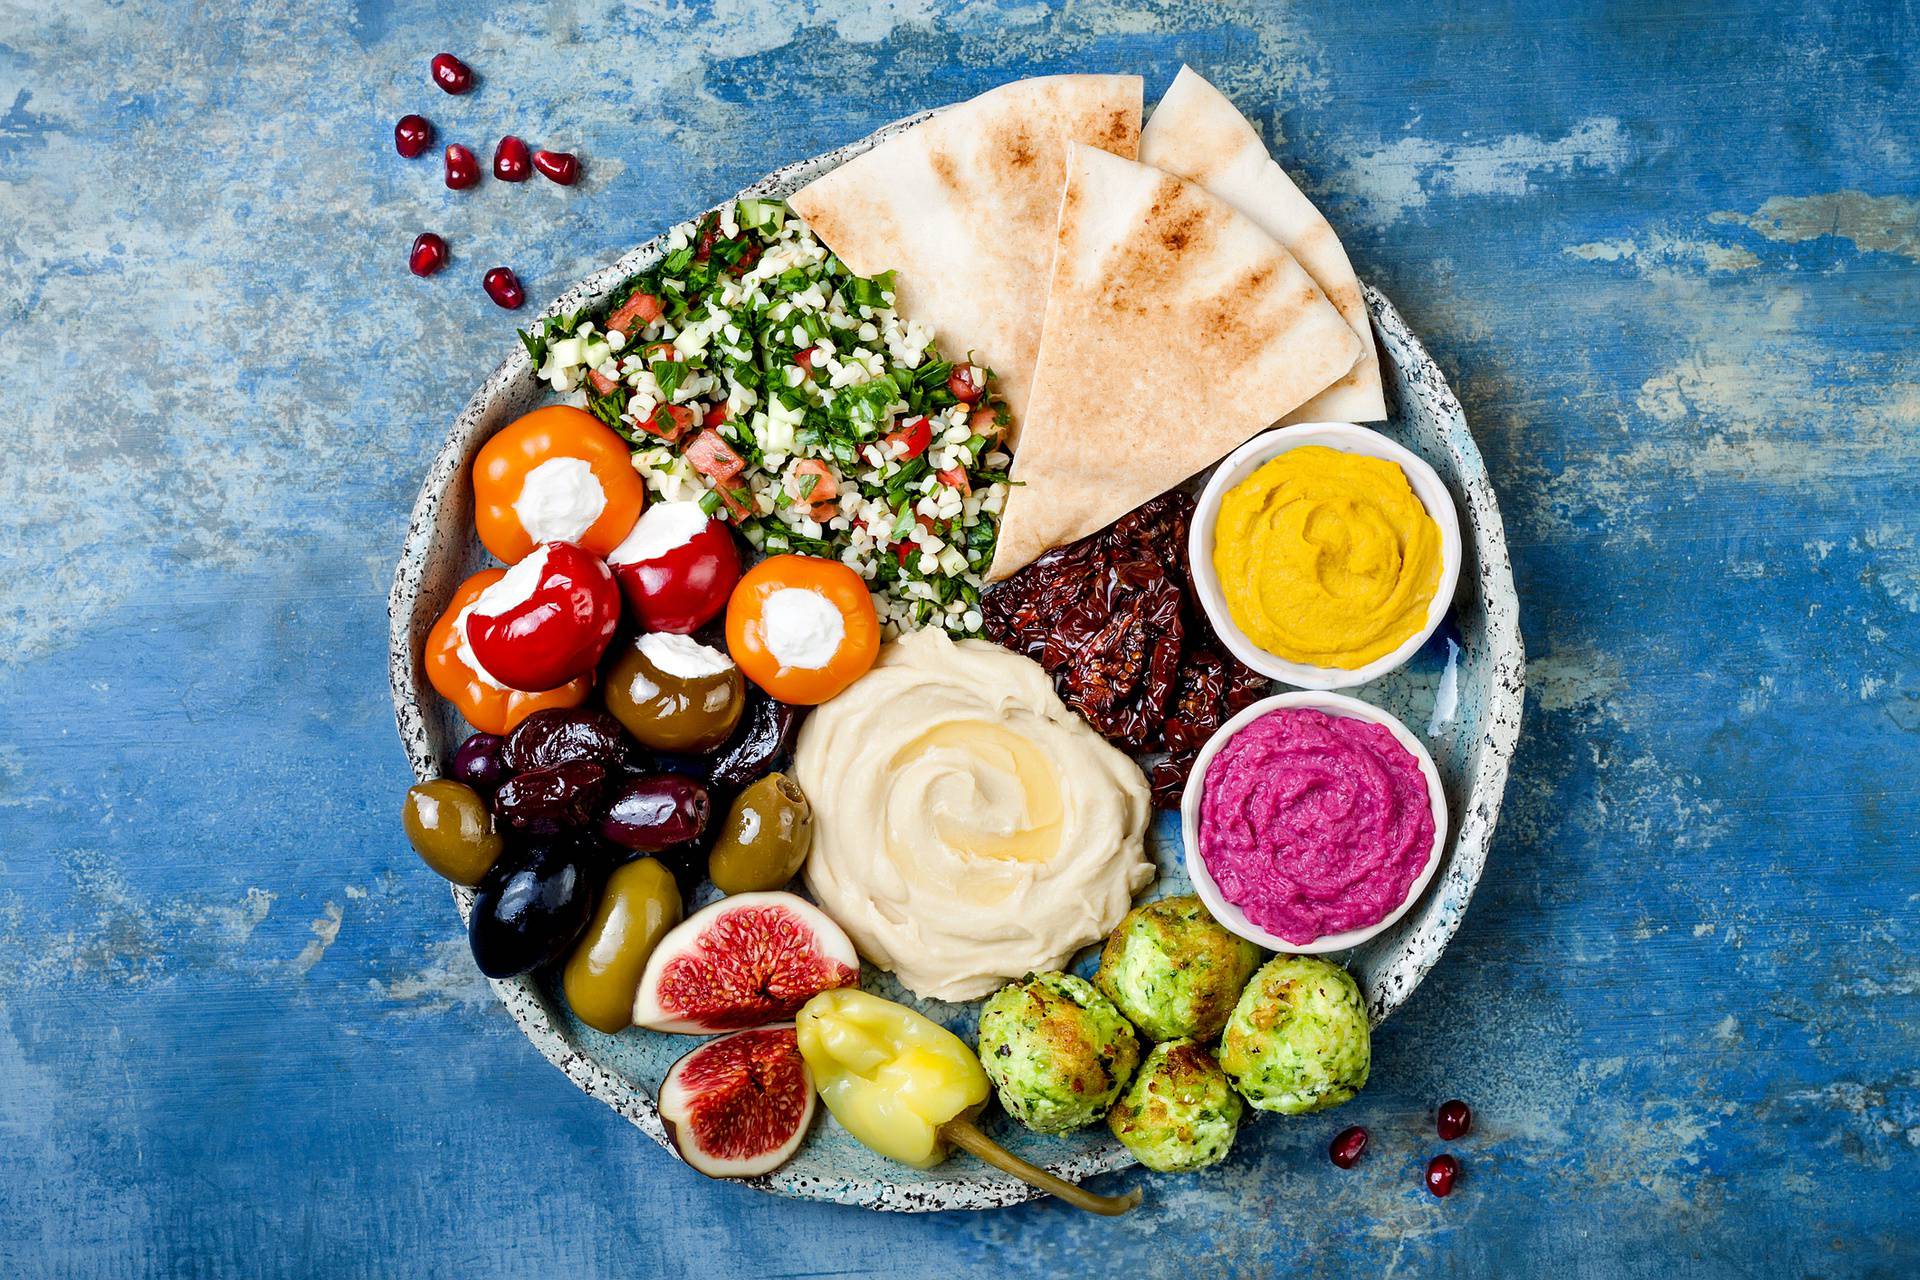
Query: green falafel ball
<point>1180,1113</point>
<point>1057,1051</point>
<point>1298,1040</point>
<point>1174,970</point>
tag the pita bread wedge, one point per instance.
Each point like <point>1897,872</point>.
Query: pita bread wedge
<point>1175,329</point>
<point>1197,134</point>
<point>963,207</point>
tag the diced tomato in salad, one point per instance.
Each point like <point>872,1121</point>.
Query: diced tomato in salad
<point>955,478</point>
<point>961,383</point>
<point>905,549</point>
<point>739,502</point>
<point>916,434</point>
<point>805,357</point>
<point>985,421</point>
<point>600,382</point>
<point>714,458</point>
<point>635,314</point>
<point>669,422</point>
<point>717,413</point>
<point>818,500</point>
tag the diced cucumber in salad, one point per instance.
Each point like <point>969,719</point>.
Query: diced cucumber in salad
<point>753,373</point>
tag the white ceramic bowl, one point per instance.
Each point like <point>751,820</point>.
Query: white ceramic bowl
<point>1333,704</point>
<point>1347,438</point>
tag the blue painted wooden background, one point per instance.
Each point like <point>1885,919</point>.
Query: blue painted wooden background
<point>1668,252</point>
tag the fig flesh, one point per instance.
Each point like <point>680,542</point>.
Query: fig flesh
<point>745,961</point>
<point>741,1105</point>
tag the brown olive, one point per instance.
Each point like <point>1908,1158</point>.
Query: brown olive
<point>561,735</point>
<point>674,693</point>
<point>449,826</point>
<point>641,902</point>
<point>764,839</point>
<point>759,745</point>
<point>551,799</point>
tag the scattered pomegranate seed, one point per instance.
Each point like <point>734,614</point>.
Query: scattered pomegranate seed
<point>510,160</point>
<point>562,167</point>
<point>452,74</point>
<point>463,170</point>
<point>1348,1146</point>
<point>429,254</point>
<point>1441,1171</point>
<point>504,287</point>
<point>412,135</point>
<point>1454,1119</point>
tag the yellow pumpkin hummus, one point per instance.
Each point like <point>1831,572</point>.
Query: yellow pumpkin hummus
<point>1326,558</point>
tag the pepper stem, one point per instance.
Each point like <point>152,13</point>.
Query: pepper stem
<point>963,1133</point>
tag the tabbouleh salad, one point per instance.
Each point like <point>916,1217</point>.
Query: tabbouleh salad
<point>755,374</point>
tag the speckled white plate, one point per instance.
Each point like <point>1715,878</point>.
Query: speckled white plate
<point>1462,693</point>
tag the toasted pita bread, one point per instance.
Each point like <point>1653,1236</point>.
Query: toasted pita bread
<point>1197,134</point>
<point>1175,329</point>
<point>963,207</point>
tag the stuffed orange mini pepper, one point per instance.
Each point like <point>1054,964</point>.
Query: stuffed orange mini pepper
<point>802,628</point>
<point>556,475</point>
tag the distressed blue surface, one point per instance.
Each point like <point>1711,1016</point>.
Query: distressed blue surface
<point>1670,257</point>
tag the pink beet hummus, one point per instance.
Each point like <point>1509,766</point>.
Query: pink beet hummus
<point>1314,824</point>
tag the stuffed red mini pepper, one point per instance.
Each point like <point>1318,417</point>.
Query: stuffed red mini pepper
<point>547,621</point>
<point>677,568</point>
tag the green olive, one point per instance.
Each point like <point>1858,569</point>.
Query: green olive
<point>764,839</point>
<point>641,902</point>
<point>451,830</point>
<point>674,693</point>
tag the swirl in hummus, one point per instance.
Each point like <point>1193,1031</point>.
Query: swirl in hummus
<point>968,827</point>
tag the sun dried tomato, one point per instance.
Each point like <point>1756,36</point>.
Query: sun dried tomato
<point>1111,619</point>
<point>1167,779</point>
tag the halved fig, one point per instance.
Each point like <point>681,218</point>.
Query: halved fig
<point>740,1105</point>
<point>745,961</point>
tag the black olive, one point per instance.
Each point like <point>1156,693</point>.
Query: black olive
<point>532,907</point>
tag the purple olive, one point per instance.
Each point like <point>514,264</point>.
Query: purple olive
<point>561,735</point>
<point>551,799</point>
<point>758,745</point>
<point>657,812</point>
<point>480,764</point>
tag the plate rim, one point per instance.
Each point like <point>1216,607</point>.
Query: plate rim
<point>521,995</point>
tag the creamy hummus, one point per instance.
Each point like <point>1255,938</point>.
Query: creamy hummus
<point>968,828</point>
<point>1314,824</point>
<point>1327,558</point>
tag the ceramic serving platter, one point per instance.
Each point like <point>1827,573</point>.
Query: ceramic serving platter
<point>1461,693</point>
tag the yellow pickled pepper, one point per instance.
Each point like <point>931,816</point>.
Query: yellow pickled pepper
<point>889,1075</point>
<point>907,1087</point>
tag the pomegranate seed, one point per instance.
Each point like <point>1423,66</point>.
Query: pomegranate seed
<point>510,162</point>
<point>1348,1146</point>
<point>1454,1119</point>
<point>504,287</point>
<point>412,135</point>
<point>429,254</point>
<point>1441,1171</point>
<point>452,74</point>
<point>562,167</point>
<point>463,170</point>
